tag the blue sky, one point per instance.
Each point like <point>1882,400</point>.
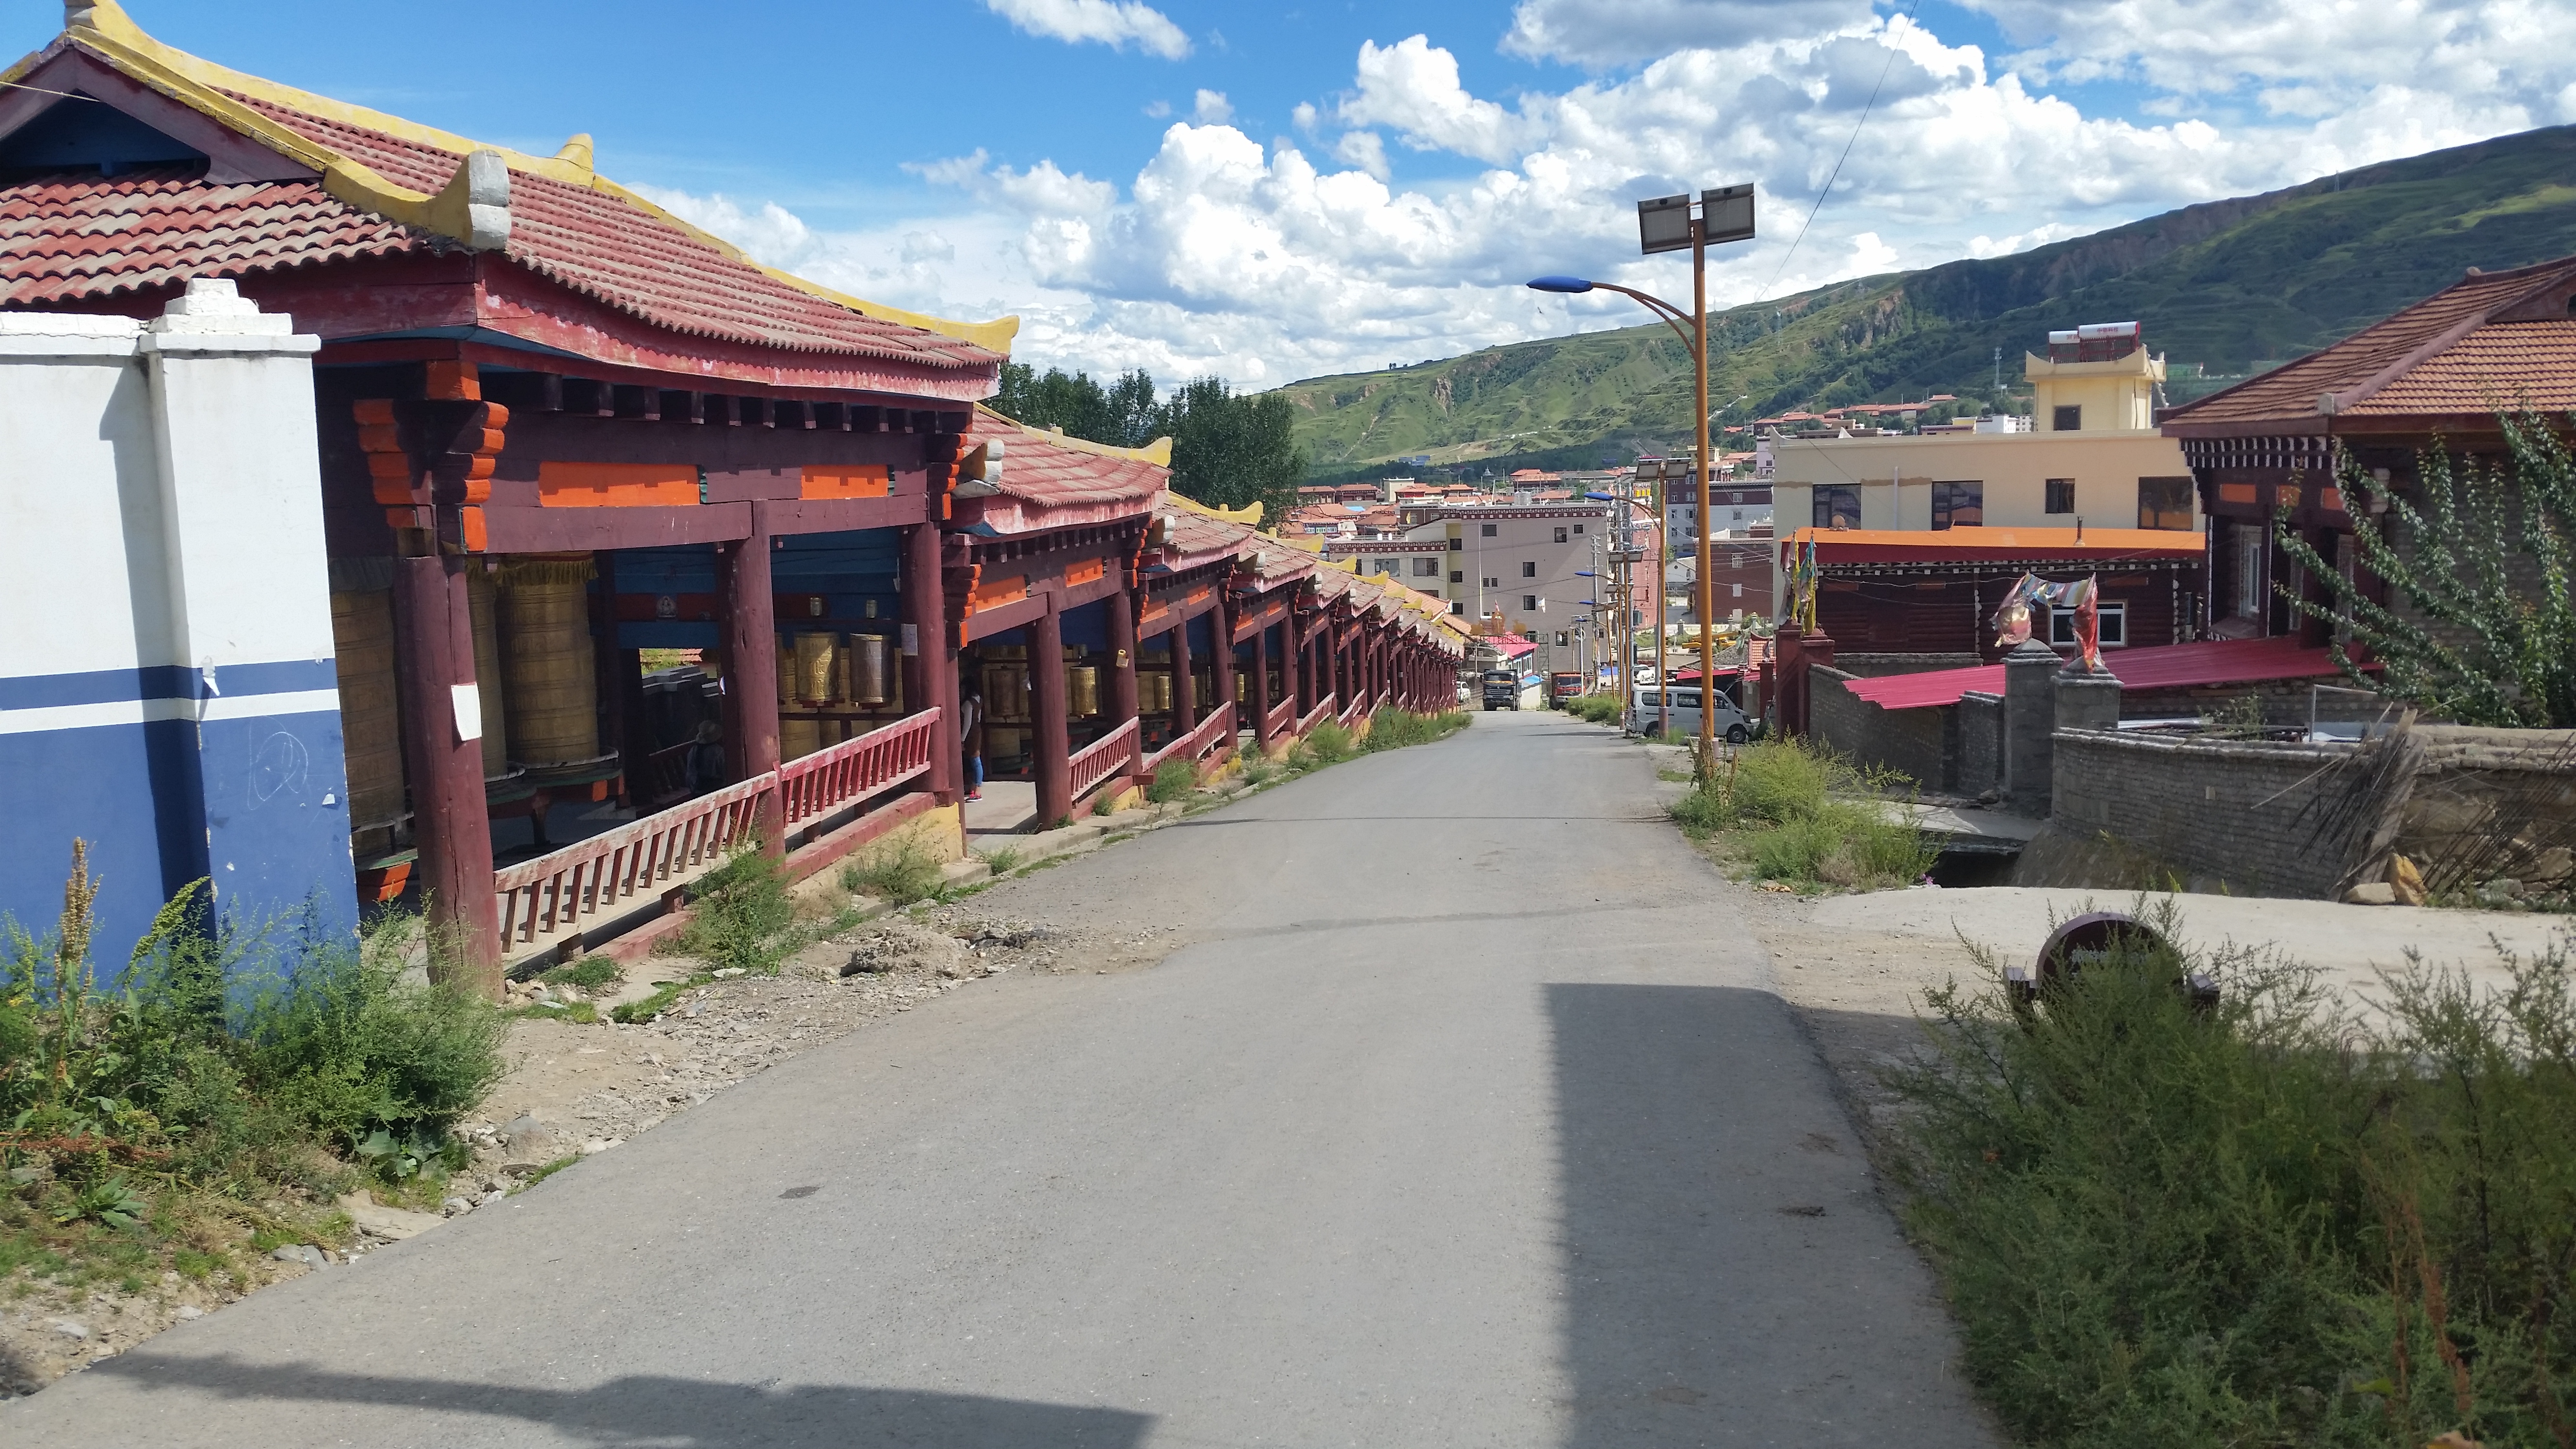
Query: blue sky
<point>1272,192</point>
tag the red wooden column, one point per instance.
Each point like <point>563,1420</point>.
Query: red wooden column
<point>1221,668</point>
<point>1185,690</point>
<point>1053,748</point>
<point>1261,686</point>
<point>930,672</point>
<point>1122,646</point>
<point>751,671</point>
<point>1301,660</point>
<point>434,654</point>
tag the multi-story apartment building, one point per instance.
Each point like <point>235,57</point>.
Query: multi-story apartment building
<point>1535,568</point>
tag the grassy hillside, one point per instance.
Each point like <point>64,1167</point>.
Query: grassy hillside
<point>2222,285</point>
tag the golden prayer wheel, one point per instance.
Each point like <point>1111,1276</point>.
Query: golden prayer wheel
<point>1004,743</point>
<point>786,674</point>
<point>1082,690</point>
<point>799,735</point>
<point>483,609</point>
<point>362,643</point>
<point>816,667</point>
<point>549,690</point>
<point>1155,690</point>
<point>868,668</point>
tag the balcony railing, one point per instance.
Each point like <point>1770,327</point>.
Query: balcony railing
<point>559,892</point>
<point>815,785</point>
<point>1111,754</point>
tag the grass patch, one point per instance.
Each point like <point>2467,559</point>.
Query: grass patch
<point>740,914</point>
<point>542,1173</point>
<point>1595,708</point>
<point>897,871</point>
<point>590,974</point>
<point>1394,729</point>
<point>2260,1223</point>
<point>1000,860</point>
<point>1105,803</point>
<point>237,1078</point>
<point>1792,811</point>
<point>1173,780</point>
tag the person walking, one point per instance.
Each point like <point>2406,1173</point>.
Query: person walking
<point>970,735</point>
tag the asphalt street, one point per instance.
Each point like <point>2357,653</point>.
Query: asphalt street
<point>1466,1114</point>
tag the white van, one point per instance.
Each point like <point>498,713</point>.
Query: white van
<point>1645,713</point>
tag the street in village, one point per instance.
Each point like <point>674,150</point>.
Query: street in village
<point>1461,1114</point>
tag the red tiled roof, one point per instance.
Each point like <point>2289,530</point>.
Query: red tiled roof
<point>1052,482</point>
<point>600,245</point>
<point>2167,666</point>
<point>2468,357</point>
<point>74,237</point>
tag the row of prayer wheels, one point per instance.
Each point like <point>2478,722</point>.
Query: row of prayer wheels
<point>1006,684</point>
<point>822,678</point>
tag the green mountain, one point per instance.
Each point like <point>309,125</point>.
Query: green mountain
<point>2219,287</point>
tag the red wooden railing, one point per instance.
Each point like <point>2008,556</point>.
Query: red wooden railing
<point>1320,713</point>
<point>1283,715</point>
<point>666,775</point>
<point>824,781</point>
<point>1216,729</point>
<point>1358,711</point>
<point>589,879</point>
<point>1111,754</point>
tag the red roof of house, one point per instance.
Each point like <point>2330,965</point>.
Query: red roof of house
<point>1510,646</point>
<point>2490,341</point>
<point>1050,481</point>
<point>75,237</point>
<point>2169,666</point>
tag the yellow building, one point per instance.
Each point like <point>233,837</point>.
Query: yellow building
<point>2096,378</point>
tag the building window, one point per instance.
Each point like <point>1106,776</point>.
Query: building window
<point>1426,568</point>
<point>2250,540</point>
<point>1563,639</point>
<point>1492,583</point>
<point>1735,560</point>
<point>1739,591</point>
<point>1529,570</point>
<point>1487,528</point>
<point>1457,545</point>
<point>2068,418</point>
<point>1386,565</point>
<point>1578,528</point>
<point>2061,495</point>
<point>2164,503</point>
<point>2114,622</point>
<point>1560,535</point>
<point>1457,576</point>
<point>1529,603</point>
<point>1837,506</point>
<point>1739,515</point>
<point>1958,505</point>
<point>1458,607</point>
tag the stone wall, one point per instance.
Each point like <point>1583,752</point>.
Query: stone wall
<point>2253,818</point>
<point>1913,741</point>
<point>1872,666</point>
<point>1977,748</point>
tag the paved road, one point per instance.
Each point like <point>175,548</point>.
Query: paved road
<point>1467,1116</point>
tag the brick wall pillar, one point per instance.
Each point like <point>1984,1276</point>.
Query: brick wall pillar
<point>2030,715</point>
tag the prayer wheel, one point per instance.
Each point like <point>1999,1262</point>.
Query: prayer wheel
<point>362,643</point>
<point>868,669</point>
<point>799,735</point>
<point>1002,742</point>
<point>817,668</point>
<point>484,609</point>
<point>1082,690</point>
<point>551,694</point>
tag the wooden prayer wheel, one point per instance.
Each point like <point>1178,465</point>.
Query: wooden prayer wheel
<point>484,609</point>
<point>362,643</point>
<point>817,668</point>
<point>1082,690</point>
<point>867,669</point>
<point>551,694</point>
<point>799,735</point>
<point>1004,743</point>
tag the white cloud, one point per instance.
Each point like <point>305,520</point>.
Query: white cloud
<point>1114,23</point>
<point>1212,109</point>
<point>1271,262</point>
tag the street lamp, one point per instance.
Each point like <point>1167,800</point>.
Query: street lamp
<point>1667,224</point>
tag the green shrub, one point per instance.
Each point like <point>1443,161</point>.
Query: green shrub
<point>740,912</point>
<point>1393,729</point>
<point>1594,708</point>
<point>348,1047</point>
<point>2258,1223</point>
<point>1813,818</point>
<point>1329,744</point>
<point>1173,780</point>
<point>590,973</point>
<point>898,871</point>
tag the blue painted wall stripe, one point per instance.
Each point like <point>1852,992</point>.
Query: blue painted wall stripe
<point>165,681</point>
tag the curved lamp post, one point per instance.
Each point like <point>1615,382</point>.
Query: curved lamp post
<point>1664,224</point>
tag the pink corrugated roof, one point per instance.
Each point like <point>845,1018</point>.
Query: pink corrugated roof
<point>2169,666</point>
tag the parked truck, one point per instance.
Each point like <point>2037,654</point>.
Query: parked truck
<point>1501,689</point>
<point>1563,685</point>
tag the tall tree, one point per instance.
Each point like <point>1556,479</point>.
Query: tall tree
<point>2489,633</point>
<point>1230,448</point>
<point>1123,414</point>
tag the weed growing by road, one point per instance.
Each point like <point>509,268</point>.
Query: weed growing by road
<point>1173,780</point>
<point>1594,708</point>
<point>1790,810</point>
<point>898,871</point>
<point>1327,744</point>
<point>2257,1223</point>
<point>740,912</point>
<point>237,1077</point>
<point>590,973</point>
<point>1000,860</point>
<point>1394,729</point>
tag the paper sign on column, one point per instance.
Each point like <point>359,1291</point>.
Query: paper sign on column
<point>911,640</point>
<point>467,701</point>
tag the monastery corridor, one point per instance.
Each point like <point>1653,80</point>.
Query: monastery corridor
<point>1458,1114</point>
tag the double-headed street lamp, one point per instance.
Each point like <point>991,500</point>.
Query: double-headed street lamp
<point>1668,224</point>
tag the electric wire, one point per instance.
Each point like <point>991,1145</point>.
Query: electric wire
<point>1831,177</point>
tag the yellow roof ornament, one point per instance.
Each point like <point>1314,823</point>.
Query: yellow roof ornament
<point>1249,514</point>
<point>576,151</point>
<point>1157,452</point>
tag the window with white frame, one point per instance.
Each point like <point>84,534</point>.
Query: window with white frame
<point>1560,535</point>
<point>1492,582</point>
<point>1426,568</point>
<point>1529,570</point>
<point>2114,620</point>
<point>1489,529</point>
<point>1529,603</point>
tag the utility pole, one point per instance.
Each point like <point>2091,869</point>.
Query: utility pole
<point>1663,677</point>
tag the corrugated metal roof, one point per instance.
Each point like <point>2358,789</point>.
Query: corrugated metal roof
<point>2168,666</point>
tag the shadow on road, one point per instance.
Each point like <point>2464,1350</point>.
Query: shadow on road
<point>650,1412</point>
<point>1730,1275</point>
